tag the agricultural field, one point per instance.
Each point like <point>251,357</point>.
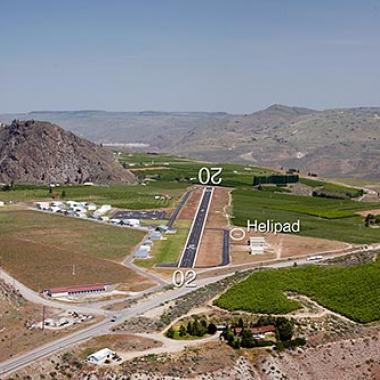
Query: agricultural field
<point>170,169</point>
<point>134,197</point>
<point>41,249</point>
<point>351,291</point>
<point>167,251</point>
<point>352,192</point>
<point>320,217</point>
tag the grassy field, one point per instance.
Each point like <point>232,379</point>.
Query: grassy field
<point>320,217</point>
<point>40,250</point>
<point>332,187</point>
<point>352,291</point>
<point>121,196</point>
<point>168,251</point>
<point>171,169</point>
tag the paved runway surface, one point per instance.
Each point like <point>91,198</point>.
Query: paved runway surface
<point>139,215</point>
<point>193,241</point>
<point>226,248</point>
<point>175,213</point>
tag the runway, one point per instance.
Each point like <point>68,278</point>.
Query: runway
<point>190,251</point>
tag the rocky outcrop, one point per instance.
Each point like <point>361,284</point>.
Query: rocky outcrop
<point>36,152</point>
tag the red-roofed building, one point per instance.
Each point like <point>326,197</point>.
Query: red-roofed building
<point>78,291</point>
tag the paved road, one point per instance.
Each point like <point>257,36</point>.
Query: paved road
<point>36,298</point>
<point>190,251</point>
<point>226,248</point>
<point>100,328</point>
<point>175,213</point>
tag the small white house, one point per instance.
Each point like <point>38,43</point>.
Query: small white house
<point>141,253</point>
<point>91,207</point>
<point>131,222</point>
<point>102,210</point>
<point>257,245</point>
<point>155,235</point>
<point>2,204</point>
<point>43,205</point>
<point>101,356</point>
<point>55,209</point>
<point>57,204</point>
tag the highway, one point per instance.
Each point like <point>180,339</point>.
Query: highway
<point>153,301</point>
<point>100,328</point>
<point>194,238</point>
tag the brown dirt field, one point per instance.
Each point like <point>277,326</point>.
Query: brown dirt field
<point>118,343</point>
<point>367,212</point>
<point>352,359</point>
<point>211,248</point>
<point>210,252</point>
<point>283,246</point>
<point>16,338</point>
<point>40,251</point>
<point>216,217</point>
<point>190,208</point>
<point>210,357</point>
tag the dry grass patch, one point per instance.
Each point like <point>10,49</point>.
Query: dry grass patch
<point>40,251</point>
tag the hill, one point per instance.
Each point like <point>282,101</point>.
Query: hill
<point>36,152</point>
<point>335,142</point>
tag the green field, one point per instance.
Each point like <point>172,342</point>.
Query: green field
<point>332,187</point>
<point>351,291</point>
<point>168,251</point>
<point>320,217</point>
<point>40,250</point>
<point>122,196</point>
<point>171,169</point>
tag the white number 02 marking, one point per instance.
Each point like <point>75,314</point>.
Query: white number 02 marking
<point>186,279</point>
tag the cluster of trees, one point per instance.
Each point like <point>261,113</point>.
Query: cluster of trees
<point>275,179</point>
<point>196,327</point>
<point>372,220</point>
<point>7,187</point>
<point>284,330</point>
<point>245,340</point>
<point>331,194</point>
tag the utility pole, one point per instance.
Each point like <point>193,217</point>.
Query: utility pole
<point>43,318</point>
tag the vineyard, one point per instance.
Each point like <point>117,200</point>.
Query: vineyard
<point>351,291</point>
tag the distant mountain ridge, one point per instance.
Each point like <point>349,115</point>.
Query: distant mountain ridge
<point>334,142</point>
<point>34,152</point>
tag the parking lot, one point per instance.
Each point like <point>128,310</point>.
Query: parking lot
<point>154,214</point>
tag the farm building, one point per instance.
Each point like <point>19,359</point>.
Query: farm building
<point>100,356</point>
<point>78,291</point>
<point>103,209</point>
<point>165,229</point>
<point>259,332</point>
<point>155,235</point>
<point>141,253</point>
<point>257,245</point>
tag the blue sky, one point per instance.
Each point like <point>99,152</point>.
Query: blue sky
<point>188,55</point>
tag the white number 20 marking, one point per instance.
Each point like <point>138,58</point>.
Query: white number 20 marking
<point>205,177</point>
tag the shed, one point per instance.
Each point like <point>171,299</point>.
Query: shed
<point>141,253</point>
<point>100,356</point>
